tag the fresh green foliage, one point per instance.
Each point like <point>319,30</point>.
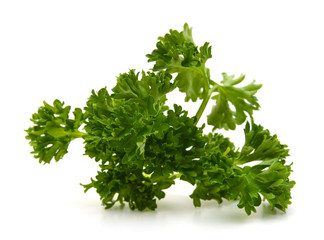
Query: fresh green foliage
<point>243,99</point>
<point>142,146</point>
<point>53,131</point>
<point>177,53</point>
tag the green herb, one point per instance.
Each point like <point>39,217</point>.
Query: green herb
<point>142,146</point>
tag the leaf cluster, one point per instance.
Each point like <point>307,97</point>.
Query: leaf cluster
<point>142,146</point>
<point>53,131</point>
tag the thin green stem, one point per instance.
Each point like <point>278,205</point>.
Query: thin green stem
<point>204,103</point>
<point>176,175</point>
<point>77,134</point>
<point>201,109</point>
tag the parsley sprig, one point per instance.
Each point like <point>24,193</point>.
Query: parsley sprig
<point>142,146</point>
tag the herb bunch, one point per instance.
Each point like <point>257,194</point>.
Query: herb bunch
<point>142,146</point>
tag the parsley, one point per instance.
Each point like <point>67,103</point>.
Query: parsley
<point>142,146</point>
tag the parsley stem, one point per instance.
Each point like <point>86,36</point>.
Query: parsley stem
<point>77,134</point>
<point>176,175</point>
<point>204,103</point>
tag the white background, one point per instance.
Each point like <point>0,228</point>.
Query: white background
<point>64,49</point>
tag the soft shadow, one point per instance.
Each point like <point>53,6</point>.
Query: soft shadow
<point>211,212</point>
<point>228,212</point>
<point>269,213</point>
<point>181,208</point>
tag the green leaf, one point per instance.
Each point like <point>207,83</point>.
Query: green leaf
<point>151,84</point>
<point>99,104</point>
<point>242,99</point>
<point>53,131</point>
<point>269,177</point>
<point>261,145</point>
<point>177,53</point>
<point>149,91</point>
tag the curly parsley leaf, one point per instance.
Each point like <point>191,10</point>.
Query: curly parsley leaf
<point>129,85</point>
<point>215,168</point>
<point>269,177</point>
<point>53,131</point>
<point>242,98</point>
<point>177,53</point>
<point>121,183</point>
<point>125,118</point>
<point>261,145</point>
<point>149,91</point>
<point>137,170</point>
